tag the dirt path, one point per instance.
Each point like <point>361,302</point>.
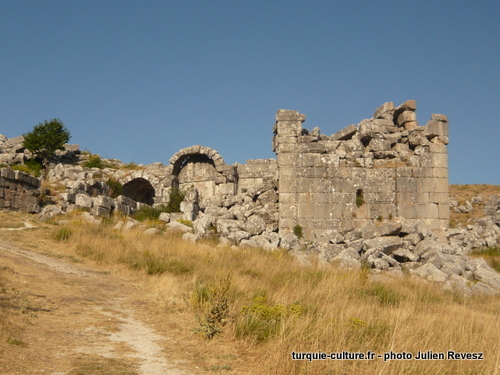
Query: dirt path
<point>82,320</point>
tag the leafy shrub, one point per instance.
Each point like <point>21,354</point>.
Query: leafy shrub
<point>262,321</point>
<point>31,167</point>
<point>175,199</point>
<point>297,230</point>
<point>22,168</point>
<point>116,187</point>
<point>211,305</point>
<point>95,161</point>
<point>360,201</point>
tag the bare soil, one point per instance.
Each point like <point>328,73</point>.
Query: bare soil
<point>59,316</point>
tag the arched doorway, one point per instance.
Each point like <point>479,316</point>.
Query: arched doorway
<point>140,190</point>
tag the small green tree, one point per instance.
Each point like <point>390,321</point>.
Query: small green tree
<point>45,139</point>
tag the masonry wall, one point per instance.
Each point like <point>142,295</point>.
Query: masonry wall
<point>19,191</point>
<point>385,167</point>
<point>255,172</point>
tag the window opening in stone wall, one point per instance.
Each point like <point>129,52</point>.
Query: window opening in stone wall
<point>360,200</point>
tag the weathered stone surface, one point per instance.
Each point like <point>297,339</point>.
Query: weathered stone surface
<point>345,133</point>
<point>176,226</point>
<point>386,245</point>
<point>255,225</point>
<point>488,277</point>
<point>405,255</point>
<point>165,217</point>
<point>83,200</point>
<point>190,237</point>
<point>290,242</point>
<point>49,212</point>
<point>430,272</point>
<point>458,284</point>
<point>385,111</point>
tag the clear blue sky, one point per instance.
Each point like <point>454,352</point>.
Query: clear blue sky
<point>139,80</point>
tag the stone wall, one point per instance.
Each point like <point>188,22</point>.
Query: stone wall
<point>255,172</point>
<point>385,167</point>
<point>19,191</point>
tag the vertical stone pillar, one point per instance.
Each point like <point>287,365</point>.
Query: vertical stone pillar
<point>287,129</point>
<point>437,132</point>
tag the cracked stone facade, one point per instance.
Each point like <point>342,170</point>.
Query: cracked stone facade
<point>384,167</point>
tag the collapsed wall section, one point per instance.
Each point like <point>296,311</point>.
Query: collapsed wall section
<point>19,191</point>
<point>385,167</point>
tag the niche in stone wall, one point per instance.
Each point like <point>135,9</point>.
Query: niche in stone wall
<point>140,190</point>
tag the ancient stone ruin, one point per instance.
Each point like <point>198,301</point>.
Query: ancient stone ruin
<point>374,194</point>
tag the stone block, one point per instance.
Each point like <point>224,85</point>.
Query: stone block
<point>285,160</point>
<point>8,173</point>
<point>289,115</point>
<point>126,201</point>
<point>409,105</point>
<point>313,147</point>
<point>444,211</point>
<point>406,116</point>
<point>438,117</point>
<point>287,185</point>
<point>345,133</point>
<point>100,211</point>
<point>379,144</point>
<point>83,200</point>
<point>287,140</point>
<point>427,211</point>
<point>385,111</point>
<point>438,148</point>
<point>288,129</point>
<point>441,197</point>
<point>380,197</point>
<point>306,210</point>
<point>411,125</point>
<point>310,160</point>
<point>436,128</point>
<point>103,202</point>
<point>288,211</point>
<point>441,185</point>
<point>440,172</point>
<point>285,148</point>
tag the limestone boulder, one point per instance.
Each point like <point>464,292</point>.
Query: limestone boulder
<point>386,245</point>
<point>255,225</point>
<point>430,272</point>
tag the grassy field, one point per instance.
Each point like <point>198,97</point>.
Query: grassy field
<point>273,306</point>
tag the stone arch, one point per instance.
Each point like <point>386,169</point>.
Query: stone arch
<point>198,166</point>
<point>140,190</point>
<point>179,159</point>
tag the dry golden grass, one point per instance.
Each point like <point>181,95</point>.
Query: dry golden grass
<point>265,305</point>
<point>276,306</point>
